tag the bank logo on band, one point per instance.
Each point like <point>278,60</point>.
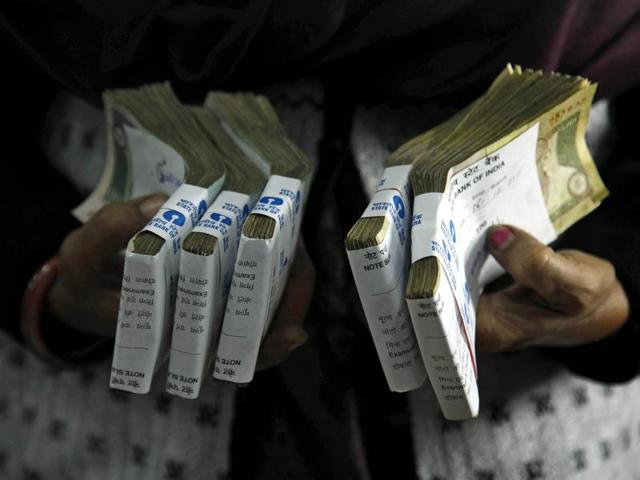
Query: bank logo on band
<point>218,217</point>
<point>202,208</point>
<point>175,217</point>
<point>272,200</point>
<point>297,201</point>
<point>399,204</point>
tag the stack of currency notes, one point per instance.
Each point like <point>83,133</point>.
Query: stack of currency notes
<point>269,235</point>
<point>160,132</point>
<point>154,144</point>
<point>237,187</point>
<point>516,155</point>
<point>206,265</point>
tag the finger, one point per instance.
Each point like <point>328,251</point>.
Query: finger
<point>565,281</point>
<point>507,320</point>
<point>287,331</point>
<point>498,323</point>
<point>112,227</point>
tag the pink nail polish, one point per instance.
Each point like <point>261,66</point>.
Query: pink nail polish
<point>500,238</point>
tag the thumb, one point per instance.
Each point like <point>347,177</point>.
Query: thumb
<point>554,277</point>
<point>112,227</point>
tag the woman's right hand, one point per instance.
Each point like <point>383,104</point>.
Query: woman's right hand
<point>562,298</point>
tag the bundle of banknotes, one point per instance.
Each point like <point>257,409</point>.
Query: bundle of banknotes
<point>516,155</point>
<point>203,278</point>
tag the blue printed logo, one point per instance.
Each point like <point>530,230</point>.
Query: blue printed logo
<point>271,200</point>
<point>175,217</point>
<point>446,252</point>
<point>399,204</point>
<point>297,201</point>
<point>245,212</point>
<point>218,217</point>
<point>452,231</point>
<point>202,208</point>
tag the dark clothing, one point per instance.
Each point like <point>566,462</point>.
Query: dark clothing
<point>411,49</point>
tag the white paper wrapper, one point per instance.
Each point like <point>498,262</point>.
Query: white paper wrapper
<point>148,292</point>
<point>381,274</point>
<point>203,286</point>
<point>259,278</point>
<point>485,190</point>
<point>446,354</point>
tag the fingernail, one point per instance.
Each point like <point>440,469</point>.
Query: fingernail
<point>500,238</point>
<point>149,207</point>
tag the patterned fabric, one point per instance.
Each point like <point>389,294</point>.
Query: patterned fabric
<point>537,422</point>
<point>68,425</point>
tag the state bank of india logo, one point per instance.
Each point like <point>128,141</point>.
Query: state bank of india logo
<point>297,201</point>
<point>399,206</point>
<point>202,208</point>
<point>173,216</point>
<point>218,217</point>
<point>271,201</point>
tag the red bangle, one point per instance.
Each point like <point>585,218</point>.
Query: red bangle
<point>33,304</point>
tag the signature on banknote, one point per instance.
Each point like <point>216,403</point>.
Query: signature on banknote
<point>166,177</point>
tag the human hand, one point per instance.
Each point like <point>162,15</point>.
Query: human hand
<point>559,298</point>
<point>86,294</point>
<point>287,332</point>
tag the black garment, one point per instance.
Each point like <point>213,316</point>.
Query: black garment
<point>414,49</point>
<point>613,232</point>
<point>36,198</point>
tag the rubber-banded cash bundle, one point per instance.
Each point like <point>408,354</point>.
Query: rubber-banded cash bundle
<point>155,144</point>
<point>206,264</point>
<point>518,156</point>
<point>269,235</point>
<point>379,249</point>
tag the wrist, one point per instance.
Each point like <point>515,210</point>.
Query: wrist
<point>33,303</point>
<point>50,338</point>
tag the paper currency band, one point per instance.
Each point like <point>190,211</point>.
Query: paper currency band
<point>180,213</point>
<point>396,178</point>
<point>53,341</point>
<point>228,208</point>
